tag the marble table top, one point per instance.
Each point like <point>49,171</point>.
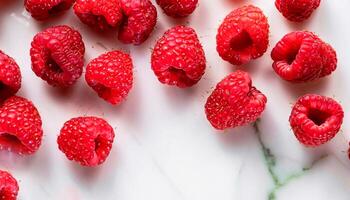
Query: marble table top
<point>165,148</point>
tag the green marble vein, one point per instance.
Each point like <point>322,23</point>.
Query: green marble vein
<point>270,161</point>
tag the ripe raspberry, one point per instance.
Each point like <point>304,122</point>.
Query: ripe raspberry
<point>20,126</point>
<point>301,56</point>
<point>316,119</point>
<point>178,57</point>
<point>244,35</point>
<point>10,76</point>
<point>297,10</point>
<point>8,186</point>
<point>140,20</point>
<point>178,8</point>
<point>57,55</point>
<point>102,14</point>
<point>43,9</point>
<point>111,76</point>
<point>234,102</point>
<point>86,140</point>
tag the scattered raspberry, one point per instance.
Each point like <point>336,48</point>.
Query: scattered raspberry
<point>87,140</point>
<point>297,10</point>
<point>301,56</point>
<point>20,126</point>
<point>140,20</point>
<point>10,76</point>
<point>57,55</point>
<point>43,9</point>
<point>102,14</point>
<point>244,35</point>
<point>178,57</point>
<point>234,102</point>
<point>8,186</point>
<point>316,119</point>
<point>111,76</point>
<point>178,8</point>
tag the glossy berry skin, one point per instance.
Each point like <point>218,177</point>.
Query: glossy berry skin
<point>243,35</point>
<point>234,102</point>
<point>111,76</point>
<point>302,56</point>
<point>44,9</point>
<point>297,10</point>
<point>86,140</point>
<point>101,15</point>
<point>10,76</point>
<point>8,186</point>
<point>20,126</point>
<point>57,55</point>
<point>316,119</point>
<point>140,18</point>
<point>178,57</point>
<point>178,8</point>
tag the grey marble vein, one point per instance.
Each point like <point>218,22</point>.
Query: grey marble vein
<point>270,161</point>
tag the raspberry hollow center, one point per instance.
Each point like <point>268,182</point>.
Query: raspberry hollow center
<point>178,72</point>
<point>292,54</point>
<point>241,41</point>
<point>51,63</point>
<point>5,90</point>
<point>317,116</point>
<point>11,142</point>
<point>58,8</point>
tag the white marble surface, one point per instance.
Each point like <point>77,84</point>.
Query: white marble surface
<point>165,148</point>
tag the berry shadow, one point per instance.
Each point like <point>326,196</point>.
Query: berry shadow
<point>60,94</point>
<point>237,138</point>
<point>89,177</point>
<point>237,2</point>
<point>38,164</point>
<point>299,89</point>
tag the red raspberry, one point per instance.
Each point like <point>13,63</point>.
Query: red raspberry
<point>301,56</point>
<point>86,140</point>
<point>178,8</point>
<point>234,102</point>
<point>10,76</point>
<point>140,20</point>
<point>244,35</point>
<point>8,186</point>
<point>102,14</point>
<point>20,126</point>
<point>111,76</point>
<point>178,57</point>
<point>57,55</point>
<point>43,9</point>
<point>297,10</point>
<point>316,119</point>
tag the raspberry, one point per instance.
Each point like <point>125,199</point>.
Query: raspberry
<point>178,8</point>
<point>86,140</point>
<point>302,56</point>
<point>178,57</point>
<point>10,76</point>
<point>297,10</point>
<point>234,102</point>
<point>20,126</point>
<point>111,76</point>
<point>43,9</point>
<point>57,55</point>
<point>8,186</point>
<point>140,20</point>
<point>316,119</point>
<point>244,35</point>
<point>102,14</point>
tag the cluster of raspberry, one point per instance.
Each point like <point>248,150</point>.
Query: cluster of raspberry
<point>178,59</point>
